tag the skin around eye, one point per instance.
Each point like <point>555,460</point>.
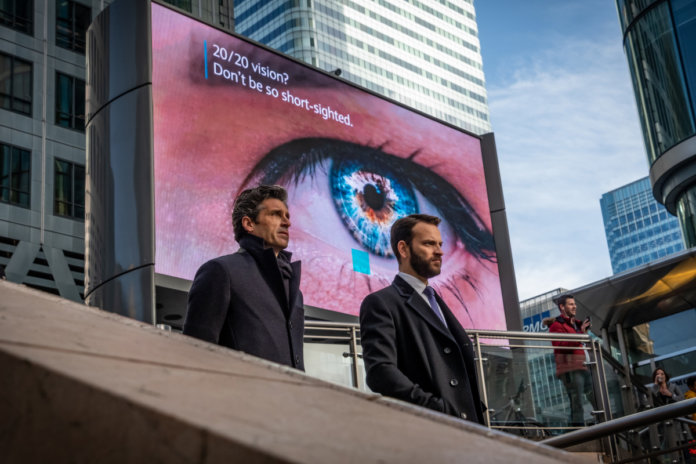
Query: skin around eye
<point>306,167</point>
<point>293,161</point>
<point>212,138</point>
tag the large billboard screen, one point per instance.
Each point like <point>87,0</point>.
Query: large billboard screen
<point>229,114</point>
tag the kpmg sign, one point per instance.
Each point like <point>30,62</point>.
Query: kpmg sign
<point>533,323</point>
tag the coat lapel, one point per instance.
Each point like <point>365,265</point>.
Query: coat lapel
<point>419,306</point>
<point>455,327</point>
<point>295,283</point>
<point>271,272</point>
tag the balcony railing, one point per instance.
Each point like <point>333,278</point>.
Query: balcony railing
<point>518,382</point>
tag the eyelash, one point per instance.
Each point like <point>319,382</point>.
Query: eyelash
<point>293,161</point>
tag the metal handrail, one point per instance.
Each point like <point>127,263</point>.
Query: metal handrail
<point>605,429</point>
<point>330,325</point>
<point>482,333</point>
<point>527,335</point>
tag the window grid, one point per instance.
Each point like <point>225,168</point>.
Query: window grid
<point>637,228</point>
<point>70,102</point>
<point>15,175</point>
<point>15,84</point>
<point>72,21</point>
<point>69,189</point>
<point>18,15</point>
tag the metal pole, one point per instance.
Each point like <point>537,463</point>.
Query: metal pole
<point>605,340</point>
<point>627,389</point>
<point>651,416</point>
<point>354,355</point>
<point>482,378</point>
<point>610,444</point>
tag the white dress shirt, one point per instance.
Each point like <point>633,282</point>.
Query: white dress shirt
<point>419,287</point>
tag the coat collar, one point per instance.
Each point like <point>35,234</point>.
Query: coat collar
<point>420,307</point>
<point>256,246</point>
<point>266,260</point>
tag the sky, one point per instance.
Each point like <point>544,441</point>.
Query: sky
<point>567,130</point>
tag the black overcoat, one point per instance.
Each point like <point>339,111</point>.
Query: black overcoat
<point>410,355</point>
<point>239,301</point>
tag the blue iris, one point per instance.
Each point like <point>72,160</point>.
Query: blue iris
<point>369,203</point>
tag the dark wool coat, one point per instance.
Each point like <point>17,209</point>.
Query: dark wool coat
<point>410,355</point>
<point>239,301</point>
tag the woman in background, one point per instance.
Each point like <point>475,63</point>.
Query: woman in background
<point>662,390</point>
<point>669,433</point>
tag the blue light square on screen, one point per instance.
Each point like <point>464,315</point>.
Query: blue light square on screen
<point>361,261</point>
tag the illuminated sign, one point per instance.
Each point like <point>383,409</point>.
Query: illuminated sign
<point>229,115</point>
<point>534,322</point>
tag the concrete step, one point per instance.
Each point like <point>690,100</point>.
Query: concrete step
<point>81,385</point>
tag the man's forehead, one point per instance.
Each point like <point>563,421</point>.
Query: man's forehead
<point>425,231</point>
<point>273,204</point>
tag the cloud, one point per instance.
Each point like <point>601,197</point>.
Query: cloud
<point>567,131</point>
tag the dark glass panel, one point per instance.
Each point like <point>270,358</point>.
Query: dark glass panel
<point>15,182</point>
<point>79,185</point>
<point>64,99</point>
<point>5,81</point>
<point>183,4</point>
<point>684,12</point>
<point>79,112</point>
<point>18,14</point>
<point>72,21</point>
<point>629,9</point>
<point>660,91</point>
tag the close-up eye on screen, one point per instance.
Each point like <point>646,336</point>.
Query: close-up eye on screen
<point>352,164</point>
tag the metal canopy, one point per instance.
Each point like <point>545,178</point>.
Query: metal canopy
<point>643,294</point>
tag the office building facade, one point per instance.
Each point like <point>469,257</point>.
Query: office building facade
<point>42,142</point>
<point>425,55</point>
<point>660,43</point>
<point>42,137</point>
<point>637,227</point>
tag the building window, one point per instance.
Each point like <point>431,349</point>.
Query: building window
<point>69,189</point>
<point>72,21</point>
<point>18,14</point>
<point>70,102</point>
<point>15,84</point>
<point>15,173</point>
<point>182,4</point>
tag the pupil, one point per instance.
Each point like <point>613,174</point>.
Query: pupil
<point>374,197</point>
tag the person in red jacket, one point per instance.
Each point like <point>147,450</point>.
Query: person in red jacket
<point>570,363</point>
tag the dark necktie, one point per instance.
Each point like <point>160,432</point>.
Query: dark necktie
<point>430,293</point>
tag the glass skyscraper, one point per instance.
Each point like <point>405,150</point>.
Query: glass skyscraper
<point>424,54</point>
<point>637,227</point>
<point>660,44</point>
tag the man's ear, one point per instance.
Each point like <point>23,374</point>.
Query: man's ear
<point>248,224</point>
<point>403,249</point>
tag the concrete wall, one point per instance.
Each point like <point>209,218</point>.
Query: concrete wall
<point>84,385</point>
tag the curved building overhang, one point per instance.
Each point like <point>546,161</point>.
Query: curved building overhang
<point>674,172</point>
<point>643,294</point>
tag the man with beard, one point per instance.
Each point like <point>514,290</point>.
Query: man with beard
<point>414,348</point>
